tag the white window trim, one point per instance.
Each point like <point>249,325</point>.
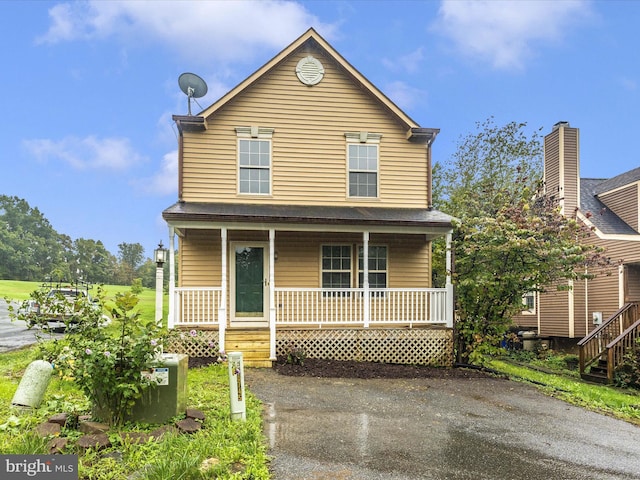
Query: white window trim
<point>532,311</point>
<point>369,139</point>
<point>322,270</point>
<point>254,133</point>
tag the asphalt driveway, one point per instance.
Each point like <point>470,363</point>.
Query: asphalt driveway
<point>352,429</point>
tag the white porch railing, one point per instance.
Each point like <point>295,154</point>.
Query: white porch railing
<point>329,306</point>
<point>323,306</point>
<point>196,306</point>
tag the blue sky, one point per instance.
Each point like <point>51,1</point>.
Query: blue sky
<point>88,88</point>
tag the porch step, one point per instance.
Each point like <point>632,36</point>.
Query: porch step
<point>597,373</point>
<point>253,343</point>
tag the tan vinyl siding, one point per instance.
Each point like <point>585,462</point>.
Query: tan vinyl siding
<point>603,296</point>
<point>571,170</point>
<point>624,203</point>
<point>200,263</point>
<point>632,274</point>
<point>580,325</point>
<point>552,164</point>
<point>554,313</point>
<point>308,145</point>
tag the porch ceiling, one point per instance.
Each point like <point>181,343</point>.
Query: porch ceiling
<point>431,222</point>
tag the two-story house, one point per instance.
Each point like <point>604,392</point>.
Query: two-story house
<point>304,219</point>
<point>599,314</point>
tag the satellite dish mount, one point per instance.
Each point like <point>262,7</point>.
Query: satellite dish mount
<point>192,86</point>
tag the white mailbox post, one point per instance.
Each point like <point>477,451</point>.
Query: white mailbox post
<point>236,386</point>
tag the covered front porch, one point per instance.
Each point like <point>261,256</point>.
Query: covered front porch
<point>258,289</point>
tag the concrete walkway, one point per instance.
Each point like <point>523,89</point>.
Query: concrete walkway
<point>352,429</point>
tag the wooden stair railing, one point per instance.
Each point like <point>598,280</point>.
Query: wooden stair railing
<point>621,345</point>
<point>609,341</point>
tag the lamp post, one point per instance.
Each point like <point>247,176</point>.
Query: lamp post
<point>160,256</point>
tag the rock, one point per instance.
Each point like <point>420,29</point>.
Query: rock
<point>195,414</point>
<point>97,441</point>
<point>59,418</point>
<point>48,429</point>
<point>209,463</point>
<point>57,445</point>
<point>93,427</point>
<point>188,425</point>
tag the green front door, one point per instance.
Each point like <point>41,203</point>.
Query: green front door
<point>249,282</point>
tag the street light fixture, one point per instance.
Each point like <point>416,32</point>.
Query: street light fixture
<point>160,256</point>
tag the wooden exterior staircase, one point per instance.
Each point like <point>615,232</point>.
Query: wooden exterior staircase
<point>603,350</point>
<point>253,343</point>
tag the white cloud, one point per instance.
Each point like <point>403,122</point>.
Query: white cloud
<point>409,63</point>
<point>403,95</point>
<point>86,153</point>
<point>220,30</point>
<point>166,180</point>
<point>505,32</point>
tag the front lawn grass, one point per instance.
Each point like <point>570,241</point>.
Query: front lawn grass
<point>235,449</point>
<point>620,403</point>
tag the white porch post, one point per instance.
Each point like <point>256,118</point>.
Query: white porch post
<point>272,295</point>
<point>365,280</point>
<point>222,307</point>
<point>171,316</point>
<point>449,285</point>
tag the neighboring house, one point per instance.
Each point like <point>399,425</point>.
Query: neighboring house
<point>304,219</point>
<point>611,208</point>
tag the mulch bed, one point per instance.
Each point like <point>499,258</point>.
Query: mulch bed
<point>314,367</point>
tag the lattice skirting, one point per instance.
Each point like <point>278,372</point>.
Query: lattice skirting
<point>414,347</point>
<point>386,345</point>
<point>206,343</point>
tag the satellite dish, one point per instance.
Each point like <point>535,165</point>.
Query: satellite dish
<point>192,86</point>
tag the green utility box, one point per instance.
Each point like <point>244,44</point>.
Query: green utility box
<point>169,398</point>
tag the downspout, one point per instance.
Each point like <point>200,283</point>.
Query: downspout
<point>429,176</point>
<point>180,157</point>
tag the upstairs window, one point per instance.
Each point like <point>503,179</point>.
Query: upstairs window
<point>254,160</point>
<point>363,163</point>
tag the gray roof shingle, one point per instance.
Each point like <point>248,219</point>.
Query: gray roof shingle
<point>603,218</point>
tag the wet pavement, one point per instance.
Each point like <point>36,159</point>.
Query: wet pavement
<point>15,334</point>
<point>353,429</point>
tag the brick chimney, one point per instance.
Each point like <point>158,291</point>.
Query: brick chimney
<point>562,166</point>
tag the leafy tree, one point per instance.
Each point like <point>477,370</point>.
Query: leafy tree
<point>29,246</point>
<point>131,256</point>
<point>509,240</point>
<point>94,262</point>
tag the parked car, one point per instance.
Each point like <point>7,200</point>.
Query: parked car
<point>62,306</point>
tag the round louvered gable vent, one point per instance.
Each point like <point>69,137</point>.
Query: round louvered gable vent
<point>309,71</point>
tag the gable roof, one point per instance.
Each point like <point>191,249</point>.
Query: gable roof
<point>602,217</point>
<point>312,37</point>
<point>619,181</point>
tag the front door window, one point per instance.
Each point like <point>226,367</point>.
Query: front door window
<point>249,281</point>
